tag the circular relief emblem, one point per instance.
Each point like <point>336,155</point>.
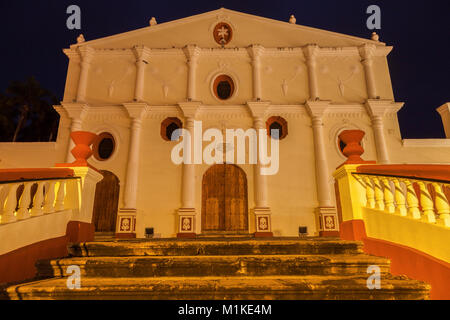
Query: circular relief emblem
<point>223,33</point>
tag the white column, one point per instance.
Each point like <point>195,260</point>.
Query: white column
<point>311,52</point>
<point>367,52</point>
<point>188,182</point>
<point>260,183</point>
<point>130,193</point>
<point>141,53</point>
<point>192,53</point>
<point>136,112</point>
<point>86,55</point>
<point>255,52</point>
<point>262,211</point>
<point>316,110</point>
<point>187,211</point>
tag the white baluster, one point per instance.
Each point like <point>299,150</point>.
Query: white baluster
<point>24,202</point>
<point>9,210</point>
<point>427,203</point>
<point>370,193</point>
<point>50,198</point>
<point>412,200</point>
<point>388,196</point>
<point>38,200</point>
<point>399,199</point>
<point>379,203</point>
<point>442,206</point>
<point>59,204</point>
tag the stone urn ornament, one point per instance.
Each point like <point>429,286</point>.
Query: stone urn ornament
<point>353,149</point>
<point>82,150</point>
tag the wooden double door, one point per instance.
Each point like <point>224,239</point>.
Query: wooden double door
<point>224,200</point>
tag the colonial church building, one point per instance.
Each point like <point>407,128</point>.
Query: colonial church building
<point>225,70</point>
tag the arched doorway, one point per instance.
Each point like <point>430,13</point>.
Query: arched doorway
<point>106,203</point>
<point>224,200</point>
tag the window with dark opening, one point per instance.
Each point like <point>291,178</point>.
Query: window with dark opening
<point>104,146</point>
<point>277,123</point>
<point>223,87</point>
<point>169,127</point>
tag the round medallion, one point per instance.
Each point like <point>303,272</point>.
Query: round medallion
<point>223,33</point>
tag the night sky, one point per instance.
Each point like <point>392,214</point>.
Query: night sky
<point>33,34</point>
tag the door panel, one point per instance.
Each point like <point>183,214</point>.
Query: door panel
<point>106,203</point>
<point>224,199</point>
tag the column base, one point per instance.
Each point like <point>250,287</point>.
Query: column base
<point>263,223</point>
<point>186,222</point>
<point>328,221</point>
<point>126,223</point>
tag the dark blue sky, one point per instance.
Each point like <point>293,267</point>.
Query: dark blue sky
<point>33,34</point>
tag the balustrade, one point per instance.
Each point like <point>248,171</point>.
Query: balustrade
<point>20,200</point>
<point>397,195</point>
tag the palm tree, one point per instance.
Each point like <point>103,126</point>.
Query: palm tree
<point>6,125</point>
<point>33,105</point>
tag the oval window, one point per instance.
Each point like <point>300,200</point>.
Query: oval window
<point>169,127</point>
<point>277,123</point>
<point>223,87</point>
<point>104,146</point>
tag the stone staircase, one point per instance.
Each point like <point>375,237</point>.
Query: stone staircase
<point>212,268</point>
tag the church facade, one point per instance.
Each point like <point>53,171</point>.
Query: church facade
<point>225,70</point>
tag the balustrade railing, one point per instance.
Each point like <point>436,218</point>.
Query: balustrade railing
<point>408,195</point>
<point>20,200</point>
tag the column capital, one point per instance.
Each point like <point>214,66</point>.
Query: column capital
<point>311,51</point>
<point>136,110</point>
<point>255,51</point>
<point>141,53</point>
<point>190,108</point>
<point>317,109</point>
<point>76,110</point>
<point>258,109</point>
<point>367,51</point>
<point>377,108</point>
<point>86,54</point>
<point>192,52</point>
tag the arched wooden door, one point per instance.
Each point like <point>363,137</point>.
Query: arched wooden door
<point>106,203</point>
<point>224,199</point>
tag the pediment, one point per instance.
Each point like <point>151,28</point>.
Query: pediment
<point>246,30</point>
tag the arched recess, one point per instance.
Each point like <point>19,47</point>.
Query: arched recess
<point>224,199</point>
<point>106,203</point>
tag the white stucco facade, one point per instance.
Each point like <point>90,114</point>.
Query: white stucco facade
<point>320,82</point>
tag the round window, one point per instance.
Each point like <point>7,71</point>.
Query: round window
<point>223,87</point>
<point>104,146</point>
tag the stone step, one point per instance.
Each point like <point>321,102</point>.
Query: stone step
<point>215,247</point>
<point>224,288</point>
<point>195,266</point>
